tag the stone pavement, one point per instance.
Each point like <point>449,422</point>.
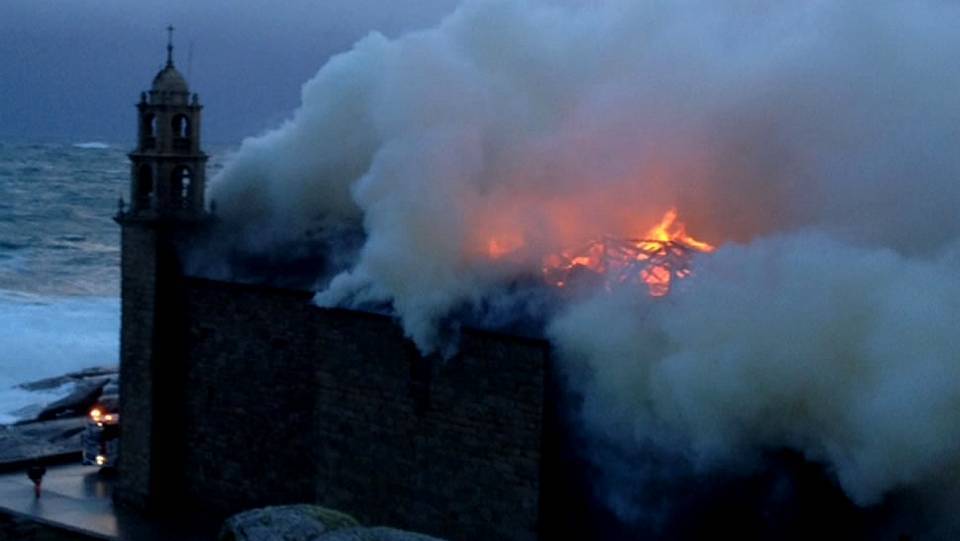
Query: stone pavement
<point>78,498</point>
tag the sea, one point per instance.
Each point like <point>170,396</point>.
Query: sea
<point>59,263</point>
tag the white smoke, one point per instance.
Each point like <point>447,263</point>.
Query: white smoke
<point>817,142</point>
<point>847,354</point>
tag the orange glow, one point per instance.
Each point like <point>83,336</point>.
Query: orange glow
<point>504,245</point>
<point>655,258</point>
<point>95,414</point>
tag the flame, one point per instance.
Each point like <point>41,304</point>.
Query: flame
<point>655,258</point>
<point>670,230</point>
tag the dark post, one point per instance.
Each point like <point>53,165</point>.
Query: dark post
<point>36,472</point>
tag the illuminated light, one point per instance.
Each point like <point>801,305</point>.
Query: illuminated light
<point>108,417</point>
<point>101,460</point>
<point>95,414</point>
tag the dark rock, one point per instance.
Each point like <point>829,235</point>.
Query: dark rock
<point>54,382</point>
<point>94,371</point>
<point>37,439</point>
<point>76,403</point>
<point>28,413</point>
<point>90,385</point>
<point>307,523</point>
<point>375,534</point>
<point>47,384</point>
<point>284,523</point>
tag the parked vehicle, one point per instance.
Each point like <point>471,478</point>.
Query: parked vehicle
<point>101,435</point>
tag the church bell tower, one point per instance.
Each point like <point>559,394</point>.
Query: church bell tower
<point>168,167</point>
<point>165,214</point>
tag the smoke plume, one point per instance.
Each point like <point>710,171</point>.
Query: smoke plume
<point>815,143</point>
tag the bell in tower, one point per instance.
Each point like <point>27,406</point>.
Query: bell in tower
<point>168,167</point>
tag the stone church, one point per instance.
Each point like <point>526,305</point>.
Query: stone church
<point>237,396</point>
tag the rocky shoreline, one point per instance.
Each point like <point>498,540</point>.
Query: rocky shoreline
<point>54,430</point>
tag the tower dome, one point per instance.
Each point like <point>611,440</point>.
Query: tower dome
<point>169,86</point>
<point>170,80</point>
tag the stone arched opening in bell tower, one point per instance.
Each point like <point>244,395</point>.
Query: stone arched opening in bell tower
<point>181,181</point>
<point>182,131</point>
<point>148,131</point>
<point>181,126</point>
<point>144,188</point>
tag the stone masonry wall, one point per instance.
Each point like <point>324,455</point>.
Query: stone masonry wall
<point>291,403</point>
<point>136,351</point>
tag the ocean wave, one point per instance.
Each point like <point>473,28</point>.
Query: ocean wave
<point>16,403</point>
<point>94,145</point>
<point>13,245</point>
<point>44,336</point>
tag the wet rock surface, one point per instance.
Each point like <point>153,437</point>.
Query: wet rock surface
<point>73,377</point>
<point>40,439</point>
<point>375,534</point>
<point>77,403</point>
<point>307,523</point>
<point>286,523</point>
<point>55,429</point>
<point>88,386</point>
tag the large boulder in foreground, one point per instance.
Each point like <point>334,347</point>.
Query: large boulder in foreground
<point>306,523</point>
<point>284,523</point>
<point>375,534</point>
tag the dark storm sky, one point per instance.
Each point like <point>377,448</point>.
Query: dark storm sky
<point>72,69</point>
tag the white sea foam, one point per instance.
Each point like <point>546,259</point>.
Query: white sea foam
<point>93,145</point>
<point>43,337</point>
<point>16,402</point>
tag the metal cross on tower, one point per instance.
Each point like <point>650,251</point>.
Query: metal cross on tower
<point>170,45</point>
